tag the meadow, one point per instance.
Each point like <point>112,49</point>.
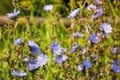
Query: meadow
<point>60,40</point>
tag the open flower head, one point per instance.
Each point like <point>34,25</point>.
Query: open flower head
<point>60,59</point>
<point>115,67</point>
<point>48,7</point>
<point>87,64</point>
<point>18,41</point>
<point>34,47</point>
<point>38,62</point>
<point>57,49</point>
<point>99,12</point>
<point>74,48</point>
<point>94,38</point>
<point>74,13</point>
<point>14,14</point>
<point>106,28</point>
<point>18,73</point>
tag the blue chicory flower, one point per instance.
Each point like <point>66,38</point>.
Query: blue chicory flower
<point>74,48</point>
<point>98,13</point>
<point>48,7</point>
<point>14,14</point>
<point>87,64</point>
<point>77,34</point>
<point>18,73</point>
<point>38,62</point>
<point>106,28</point>
<point>94,38</point>
<point>57,49</point>
<point>115,66</point>
<point>60,59</point>
<point>74,13</point>
<point>18,41</point>
<point>34,47</point>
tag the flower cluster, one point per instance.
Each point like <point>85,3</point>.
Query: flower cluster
<point>32,64</point>
<point>57,52</point>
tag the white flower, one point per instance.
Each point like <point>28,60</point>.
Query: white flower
<point>74,13</point>
<point>48,7</point>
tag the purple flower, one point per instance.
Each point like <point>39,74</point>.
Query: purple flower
<point>14,14</point>
<point>84,50</point>
<point>106,28</point>
<point>77,34</point>
<point>18,41</point>
<point>98,13</point>
<point>80,67</point>
<point>115,66</point>
<point>18,73</point>
<point>91,7</point>
<point>114,50</point>
<point>74,48</point>
<point>87,64</point>
<point>34,47</point>
<point>74,13</point>
<point>94,38</point>
<point>97,2</point>
<point>60,59</point>
<point>39,61</point>
<point>56,49</point>
<point>48,7</point>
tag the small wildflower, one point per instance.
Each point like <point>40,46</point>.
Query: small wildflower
<point>39,61</point>
<point>106,28</point>
<point>18,73</point>
<point>74,13</point>
<point>56,49</point>
<point>74,48</point>
<point>115,67</point>
<point>94,38</point>
<point>34,47</point>
<point>84,50</point>
<point>18,41</point>
<point>42,59</point>
<point>14,14</point>
<point>98,2</point>
<point>48,7</point>
<point>87,64</point>
<point>80,67</point>
<point>98,13</point>
<point>91,7</point>
<point>114,50</point>
<point>60,59</point>
<point>77,34</point>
